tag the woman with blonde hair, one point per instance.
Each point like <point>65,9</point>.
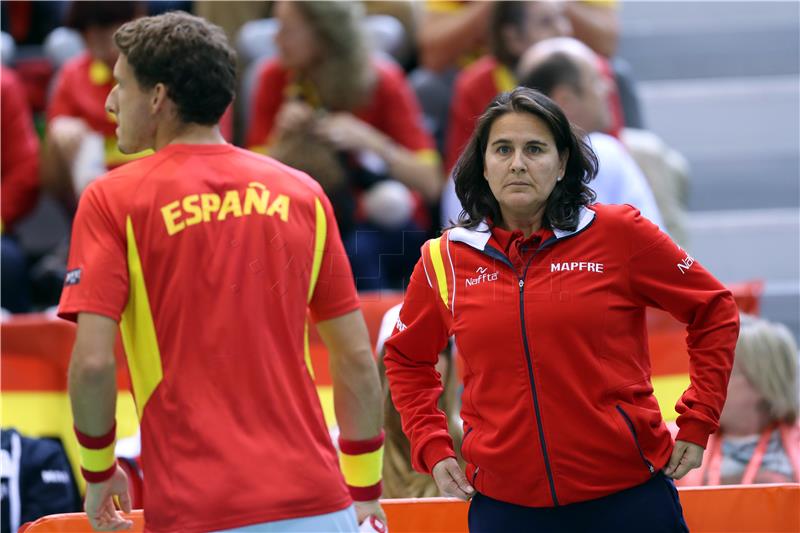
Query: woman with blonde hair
<point>759,437</point>
<point>349,118</point>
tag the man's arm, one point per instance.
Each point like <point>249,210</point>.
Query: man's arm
<point>357,396</point>
<point>93,394</point>
<point>93,375</point>
<point>356,386</point>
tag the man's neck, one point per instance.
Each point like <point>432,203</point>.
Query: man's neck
<point>189,134</point>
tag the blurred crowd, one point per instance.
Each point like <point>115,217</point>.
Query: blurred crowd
<point>375,100</point>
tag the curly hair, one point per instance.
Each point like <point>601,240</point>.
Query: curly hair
<point>562,210</point>
<point>344,78</point>
<point>189,55</point>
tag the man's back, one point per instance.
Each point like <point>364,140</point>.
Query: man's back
<point>209,256</point>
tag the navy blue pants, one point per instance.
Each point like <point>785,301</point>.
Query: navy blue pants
<point>652,507</point>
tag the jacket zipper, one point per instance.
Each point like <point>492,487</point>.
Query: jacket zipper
<point>543,443</point>
<point>648,464</point>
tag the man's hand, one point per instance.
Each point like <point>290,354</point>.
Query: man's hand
<point>366,509</point>
<point>100,503</point>
<point>451,479</point>
<point>685,457</point>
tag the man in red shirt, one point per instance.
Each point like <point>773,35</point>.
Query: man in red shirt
<point>210,258</point>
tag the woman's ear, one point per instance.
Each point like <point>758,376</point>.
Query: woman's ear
<point>563,158</point>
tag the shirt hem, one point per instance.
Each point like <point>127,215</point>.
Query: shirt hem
<point>251,519</point>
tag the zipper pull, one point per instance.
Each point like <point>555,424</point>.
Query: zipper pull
<point>521,284</point>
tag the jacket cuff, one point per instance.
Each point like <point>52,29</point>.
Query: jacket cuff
<point>694,431</point>
<point>434,451</point>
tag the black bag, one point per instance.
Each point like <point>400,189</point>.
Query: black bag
<point>36,480</point>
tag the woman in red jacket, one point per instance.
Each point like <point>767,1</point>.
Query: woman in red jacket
<point>546,296</point>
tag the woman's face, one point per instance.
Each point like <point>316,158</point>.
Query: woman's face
<point>521,163</point>
<point>743,413</point>
<point>296,41</point>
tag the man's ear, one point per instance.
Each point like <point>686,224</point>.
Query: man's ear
<point>158,98</point>
<point>564,96</point>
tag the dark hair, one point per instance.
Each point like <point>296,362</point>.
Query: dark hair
<point>558,69</point>
<point>189,55</point>
<point>85,14</point>
<point>505,14</point>
<point>569,195</point>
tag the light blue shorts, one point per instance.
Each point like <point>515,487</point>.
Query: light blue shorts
<point>338,522</point>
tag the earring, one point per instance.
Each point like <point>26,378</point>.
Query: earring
<point>559,178</point>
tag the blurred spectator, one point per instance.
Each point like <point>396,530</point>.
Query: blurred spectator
<point>399,478</point>
<point>759,438</point>
<point>514,27</point>
<point>566,70</point>
<point>351,121</point>
<point>29,22</point>
<point>452,33</point>
<point>81,142</point>
<point>595,23</point>
<point>19,175</point>
<point>232,15</point>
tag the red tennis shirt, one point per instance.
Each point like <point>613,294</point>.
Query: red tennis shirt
<point>210,256</point>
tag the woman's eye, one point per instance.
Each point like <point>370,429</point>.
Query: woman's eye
<point>503,150</point>
<point>533,149</point>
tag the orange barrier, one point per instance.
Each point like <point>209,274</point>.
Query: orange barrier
<point>733,509</point>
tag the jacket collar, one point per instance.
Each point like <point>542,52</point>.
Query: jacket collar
<point>478,237</point>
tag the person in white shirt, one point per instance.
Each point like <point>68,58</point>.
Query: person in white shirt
<point>567,71</point>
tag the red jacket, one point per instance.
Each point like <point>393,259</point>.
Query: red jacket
<point>557,405</point>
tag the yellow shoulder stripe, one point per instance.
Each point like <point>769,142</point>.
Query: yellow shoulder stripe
<point>320,237</point>
<point>438,268</point>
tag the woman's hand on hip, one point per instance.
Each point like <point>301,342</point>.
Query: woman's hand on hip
<point>685,456</point>
<point>451,480</point>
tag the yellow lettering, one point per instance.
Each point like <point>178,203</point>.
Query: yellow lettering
<point>190,206</point>
<point>209,203</point>
<point>254,198</point>
<point>280,206</point>
<point>171,212</point>
<point>230,204</point>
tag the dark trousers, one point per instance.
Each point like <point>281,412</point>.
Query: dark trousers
<point>652,507</point>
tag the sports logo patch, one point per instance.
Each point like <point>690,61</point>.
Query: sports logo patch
<point>73,277</point>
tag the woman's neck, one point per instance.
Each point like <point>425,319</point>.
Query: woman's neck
<point>528,223</point>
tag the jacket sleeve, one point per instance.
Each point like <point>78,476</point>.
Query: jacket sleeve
<point>412,351</point>
<point>664,276</point>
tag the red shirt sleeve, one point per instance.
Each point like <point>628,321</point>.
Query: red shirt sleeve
<point>402,115</point>
<point>335,293</point>
<point>19,151</point>
<point>664,276</point>
<point>411,355</point>
<point>97,268</point>
<point>267,100</point>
